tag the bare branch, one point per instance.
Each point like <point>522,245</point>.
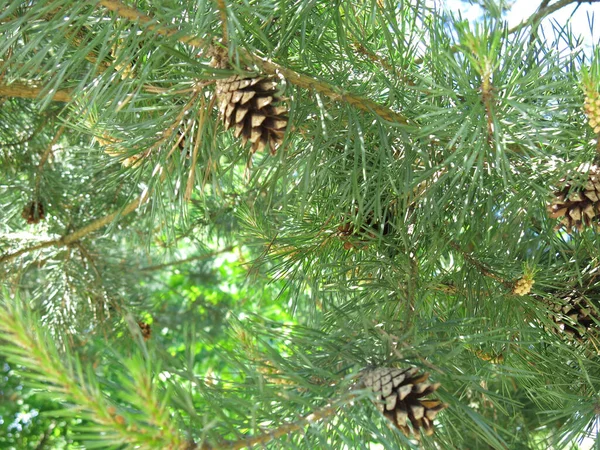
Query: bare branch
<point>543,11</point>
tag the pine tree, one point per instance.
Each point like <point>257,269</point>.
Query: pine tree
<point>220,219</point>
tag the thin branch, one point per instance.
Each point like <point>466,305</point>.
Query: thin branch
<point>23,90</point>
<point>320,414</point>
<point>534,27</point>
<point>223,13</point>
<point>45,157</point>
<point>45,436</point>
<point>482,268</point>
<point>135,15</point>
<point>187,260</point>
<point>395,340</point>
<point>543,11</point>
<point>82,232</point>
<point>267,66</point>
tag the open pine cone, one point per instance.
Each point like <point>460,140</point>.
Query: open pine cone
<point>399,395</point>
<point>579,205</point>
<point>249,105</point>
<point>576,317</point>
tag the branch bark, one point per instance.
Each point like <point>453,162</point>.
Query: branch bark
<point>482,268</point>
<point>81,233</point>
<point>23,90</point>
<point>266,65</point>
<point>545,10</point>
<point>320,414</point>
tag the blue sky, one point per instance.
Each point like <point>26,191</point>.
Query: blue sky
<point>522,9</point>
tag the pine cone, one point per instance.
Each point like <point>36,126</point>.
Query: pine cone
<point>578,204</point>
<point>145,329</point>
<point>400,395</point>
<point>33,212</point>
<point>576,317</point>
<point>248,104</point>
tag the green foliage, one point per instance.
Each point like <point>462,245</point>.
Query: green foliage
<point>181,292</point>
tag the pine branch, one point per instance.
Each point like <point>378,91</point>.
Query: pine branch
<point>32,349</point>
<point>482,268</point>
<point>543,11</point>
<point>135,15</point>
<point>267,66</point>
<point>35,352</point>
<point>23,90</point>
<point>45,157</point>
<point>81,233</point>
<point>45,436</point>
<point>223,13</point>
<point>321,414</point>
<point>77,38</point>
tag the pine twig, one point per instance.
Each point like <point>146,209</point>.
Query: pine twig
<point>535,26</point>
<point>543,11</point>
<point>223,13</point>
<point>45,436</point>
<point>45,157</point>
<point>23,90</point>
<point>266,65</point>
<point>482,268</point>
<point>31,348</point>
<point>82,232</point>
<point>321,414</point>
<point>137,16</point>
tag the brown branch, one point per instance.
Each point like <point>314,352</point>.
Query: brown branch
<point>543,11</point>
<point>187,260</point>
<point>223,13</point>
<point>327,89</point>
<point>534,27</point>
<point>320,414</point>
<point>45,157</point>
<point>135,15</point>
<point>23,90</point>
<point>82,232</point>
<point>267,66</point>
<point>482,268</point>
<point>44,439</point>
